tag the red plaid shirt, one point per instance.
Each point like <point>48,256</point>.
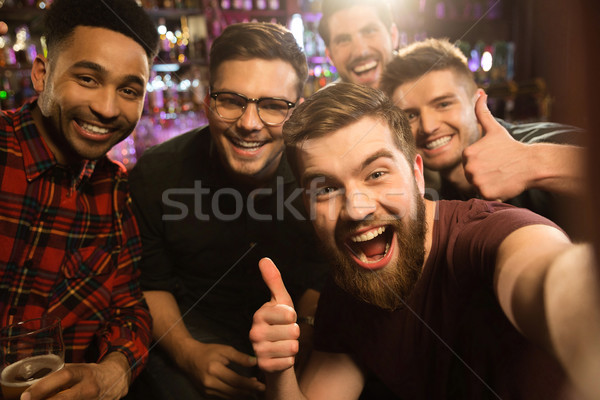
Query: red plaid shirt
<point>69,247</point>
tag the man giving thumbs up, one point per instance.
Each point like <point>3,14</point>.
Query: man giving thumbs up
<point>475,154</point>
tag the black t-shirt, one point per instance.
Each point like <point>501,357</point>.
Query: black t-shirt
<point>451,340</point>
<point>203,235</point>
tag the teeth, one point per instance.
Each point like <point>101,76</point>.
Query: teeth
<point>94,128</point>
<point>247,145</point>
<point>368,235</point>
<point>438,142</point>
<point>365,67</point>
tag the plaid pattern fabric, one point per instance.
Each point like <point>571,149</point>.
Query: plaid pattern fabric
<point>69,247</point>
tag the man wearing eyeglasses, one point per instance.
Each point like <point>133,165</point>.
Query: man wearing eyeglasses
<point>211,203</point>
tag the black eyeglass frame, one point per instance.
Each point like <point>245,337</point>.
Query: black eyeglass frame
<point>290,105</point>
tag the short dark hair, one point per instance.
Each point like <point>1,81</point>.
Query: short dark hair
<point>341,104</point>
<point>330,7</point>
<point>267,41</point>
<point>123,16</point>
<point>419,58</point>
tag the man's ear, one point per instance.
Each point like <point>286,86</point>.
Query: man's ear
<point>395,36</point>
<point>328,55</point>
<point>206,103</point>
<point>39,70</point>
<point>418,171</point>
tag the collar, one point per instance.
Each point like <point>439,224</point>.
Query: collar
<point>37,156</point>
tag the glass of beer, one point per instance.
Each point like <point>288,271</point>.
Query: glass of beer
<point>29,350</point>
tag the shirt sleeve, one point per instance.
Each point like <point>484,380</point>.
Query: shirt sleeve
<point>545,132</point>
<point>156,265</point>
<point>128,330</point>
<point>476,238</point>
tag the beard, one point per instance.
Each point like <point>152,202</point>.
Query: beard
<point>388,287</point>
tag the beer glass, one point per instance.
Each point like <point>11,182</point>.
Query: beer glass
<point>29,350</point>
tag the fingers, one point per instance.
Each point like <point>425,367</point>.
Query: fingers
<point>272,278</point>
<point>3,28</point>
<point>237,381</point>
<point>271,332</point>
<point>240,358</point>
<point>278,349</point>
<point>224,382</point>
<point>52,384</point>
<point>279,364</point>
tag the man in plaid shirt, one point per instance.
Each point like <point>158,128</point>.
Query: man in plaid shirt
<point>69,245</point>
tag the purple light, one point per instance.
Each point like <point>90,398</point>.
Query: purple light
<point>318,70</point>
<point>474,61</point>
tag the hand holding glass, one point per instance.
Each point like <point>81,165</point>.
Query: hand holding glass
<point>29,351</point>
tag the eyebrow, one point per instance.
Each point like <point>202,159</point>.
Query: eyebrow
<point>444,96</point>
<point>370,25</point>
<point>383,153</point>
<point>101,70</point>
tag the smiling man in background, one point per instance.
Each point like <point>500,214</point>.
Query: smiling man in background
<point>533,165</point>
<point>210,204</point>
<point>360,38</point>
<point>69,244</point>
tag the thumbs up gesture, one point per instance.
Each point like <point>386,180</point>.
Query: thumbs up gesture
<point>274,334</point>
<point>3,28</point>
<point>497,165</point>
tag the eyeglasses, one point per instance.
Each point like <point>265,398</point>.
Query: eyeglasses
<point>271,110</point>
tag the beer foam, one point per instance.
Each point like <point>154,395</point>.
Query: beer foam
<point>28,367</point>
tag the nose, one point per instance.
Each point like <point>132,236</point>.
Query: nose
<point>428,122</point>
<point>360,45</point>
<point>105,104</point>
<point>359,205</point>
<point>250,121</point>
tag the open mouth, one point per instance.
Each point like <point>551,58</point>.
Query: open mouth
<point>361,69</point>
<point>246,145</point>
<point>372,249</point>
<point>437,143</point>
<point>93,132</point>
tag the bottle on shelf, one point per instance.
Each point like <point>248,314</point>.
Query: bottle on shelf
<point>260,5</point>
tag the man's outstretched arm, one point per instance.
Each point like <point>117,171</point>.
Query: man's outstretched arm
<point>549,289</point>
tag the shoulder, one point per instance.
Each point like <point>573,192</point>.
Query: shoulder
<point>544,132</point>
<point>169,159</point>
<point>475,210</point>
<point>463,211</point>
<point>186,144</point>
<point>468,235</point>
<point>479,227</point>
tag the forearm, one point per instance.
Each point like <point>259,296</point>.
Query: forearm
<point>128,329</point>
<point>556,168</point>
<point>168,329</point>
<point>306,308</point>
<point>283,386</point>
<point>572,298</point>
<point>549,289</point>
<point>119,373</point>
